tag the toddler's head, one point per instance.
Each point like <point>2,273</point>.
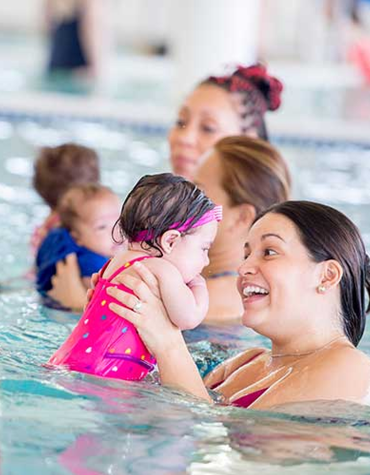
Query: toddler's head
<point>172,217</point>
<point>89,211</point>
<point>57,168</point>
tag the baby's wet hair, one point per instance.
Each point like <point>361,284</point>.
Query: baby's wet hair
<point>156,203</point>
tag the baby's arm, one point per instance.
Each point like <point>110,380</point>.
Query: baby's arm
<point>187,305</point>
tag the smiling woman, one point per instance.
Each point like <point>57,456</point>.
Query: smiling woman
<point>303,286</point>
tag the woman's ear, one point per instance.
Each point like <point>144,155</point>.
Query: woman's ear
<point>168,240</point>
<point>331,274</point>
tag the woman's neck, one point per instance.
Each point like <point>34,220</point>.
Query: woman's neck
<point>225,304</point>
<point>305,345</point>
<point>221,275</point>
<point>224,259</point>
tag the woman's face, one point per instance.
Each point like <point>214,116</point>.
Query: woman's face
<point>206,116</point>
<point>278,279</point>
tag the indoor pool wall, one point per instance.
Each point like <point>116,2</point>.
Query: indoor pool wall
<point>55,422</point>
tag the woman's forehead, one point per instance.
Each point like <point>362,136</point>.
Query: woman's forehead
<point>208,99</point>
<point>273,224</point>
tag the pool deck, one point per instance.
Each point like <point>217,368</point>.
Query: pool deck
<point>159,117</point>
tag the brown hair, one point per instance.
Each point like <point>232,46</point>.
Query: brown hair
<point>254,172</point>
<point>258,92</point>
<point>156,203</point>
<point>69,203</point>
<point>329,234</point>
<point>57,168</point>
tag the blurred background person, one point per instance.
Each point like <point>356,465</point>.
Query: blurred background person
<point>77,32</point>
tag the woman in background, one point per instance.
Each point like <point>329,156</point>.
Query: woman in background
<point>245,175</point>
<point>230,105</point>
<point>77,35</point>
<point>235,104</point>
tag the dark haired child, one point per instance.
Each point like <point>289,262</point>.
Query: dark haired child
<point>55,170</point>
<point>87,214</point>
<point>169,224</point>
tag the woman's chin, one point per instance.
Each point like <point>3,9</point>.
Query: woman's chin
<point>184,168</point>
<point>252,319</point>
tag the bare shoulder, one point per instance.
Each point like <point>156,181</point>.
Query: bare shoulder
<point>339,374</point>
<point>342,373</point>
<point>161,267</point>
<point>346,358</point>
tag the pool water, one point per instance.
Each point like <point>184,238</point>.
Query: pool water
<point>57,422</point>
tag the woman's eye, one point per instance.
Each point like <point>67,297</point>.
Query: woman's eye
<point>270,252</point>
<point>208,129</point>
<point>180,123</point>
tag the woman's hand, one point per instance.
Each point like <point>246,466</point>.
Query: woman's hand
<point>68,288</point>
<point>149,317</point>
<point>162,338</point>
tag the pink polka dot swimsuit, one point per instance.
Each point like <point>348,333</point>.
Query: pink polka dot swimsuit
<point>103,343</point>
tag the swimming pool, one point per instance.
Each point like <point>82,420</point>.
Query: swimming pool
<point>55,422</point>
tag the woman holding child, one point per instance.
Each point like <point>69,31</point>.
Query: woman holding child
<point>303,284</point>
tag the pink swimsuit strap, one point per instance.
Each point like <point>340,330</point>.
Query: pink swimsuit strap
<point>215,386</point>
<point>247,400</point>
<point>120,269</point>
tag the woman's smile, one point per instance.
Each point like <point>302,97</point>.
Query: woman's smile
<point>252,293</point>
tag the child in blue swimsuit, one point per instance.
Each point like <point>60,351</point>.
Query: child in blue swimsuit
<point>87,213</point>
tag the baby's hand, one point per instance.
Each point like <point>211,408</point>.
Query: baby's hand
<point>198,280</point>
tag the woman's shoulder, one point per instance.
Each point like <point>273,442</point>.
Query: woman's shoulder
<point>347,361</point>
<point>341,373</point>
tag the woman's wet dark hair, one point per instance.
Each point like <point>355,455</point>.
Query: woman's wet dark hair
<point>156,203</point>
<point>329,234</point>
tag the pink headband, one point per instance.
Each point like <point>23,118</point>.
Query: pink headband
<point>214,214</point>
